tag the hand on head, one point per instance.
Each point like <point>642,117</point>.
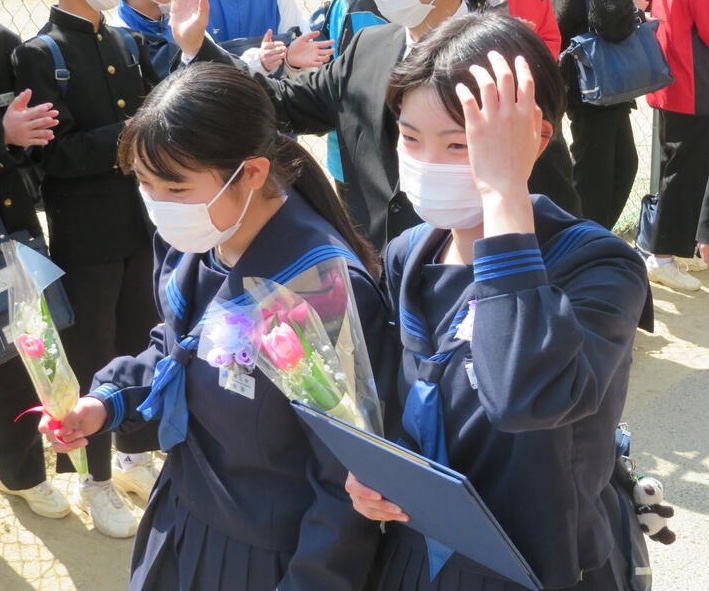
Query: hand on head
<point>504,132</point>
<point>29,126</point>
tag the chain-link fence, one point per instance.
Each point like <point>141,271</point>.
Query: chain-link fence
<point>27,16</point>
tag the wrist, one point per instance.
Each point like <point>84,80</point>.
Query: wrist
<point>288,62</point>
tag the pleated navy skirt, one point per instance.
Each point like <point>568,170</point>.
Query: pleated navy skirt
<point>175,551</point>
<point>402,565</point>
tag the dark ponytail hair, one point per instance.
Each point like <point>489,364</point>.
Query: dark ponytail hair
<point>442,59</point>
<point>212,116</point>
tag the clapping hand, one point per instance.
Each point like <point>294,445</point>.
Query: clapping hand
<point>272,53</point>
<point>304,52</point>
<point>29,126</point>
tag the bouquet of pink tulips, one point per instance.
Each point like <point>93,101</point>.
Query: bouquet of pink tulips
<point>37,339</point>
<point>305,336</point>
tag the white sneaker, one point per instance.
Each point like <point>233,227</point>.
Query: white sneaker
<point>43,499</point>
<point>671,276</point>
<point>694,264</point>
<point>138,477</point>
<point>109,511</point>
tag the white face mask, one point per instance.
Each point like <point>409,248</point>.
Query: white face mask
<point>101,5</point>
<point>444,195</point>
<point>407,13</point>
<point>188,226</point>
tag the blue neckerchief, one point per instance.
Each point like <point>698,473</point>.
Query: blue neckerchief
<point>167,400</point>
<point>139,22</point>
<point>423,412</point>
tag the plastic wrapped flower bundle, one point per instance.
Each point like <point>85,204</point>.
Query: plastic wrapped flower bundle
<point>37,339</point>
<point>305,336</point>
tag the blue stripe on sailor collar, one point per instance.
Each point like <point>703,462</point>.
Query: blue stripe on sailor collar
<point>178,303</point>
<point>175,299</point>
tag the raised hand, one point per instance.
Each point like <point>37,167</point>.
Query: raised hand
<point>188,21</point>
<point>272,53</point>
<point>504,135</point>
<point>306,53</point>
<point>29,126</point>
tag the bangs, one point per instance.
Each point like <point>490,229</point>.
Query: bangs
<point>159,153</point>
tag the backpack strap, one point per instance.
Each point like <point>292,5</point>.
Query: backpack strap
<point>61,74</point>
<point>130,43</point>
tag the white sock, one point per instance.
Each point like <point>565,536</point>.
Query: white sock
<point>661,261</point>
<point>128,460</point>
<point>87,480</point>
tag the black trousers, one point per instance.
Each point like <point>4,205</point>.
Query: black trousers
<point>684,172</point>
<point>552,175</point>
<point>604,159</point>
<point>21,452</point>
<point>115,310</point>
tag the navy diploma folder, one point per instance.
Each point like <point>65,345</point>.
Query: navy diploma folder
<point>440,502</point>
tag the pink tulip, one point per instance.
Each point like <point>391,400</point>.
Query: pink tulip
<point>299,314</point>
<point>31,346</point>
<point>331,301</point>
<point>283,347</point>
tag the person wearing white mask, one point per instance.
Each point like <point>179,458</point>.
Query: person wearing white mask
<point>347,96</point>
<point>248,500</point>
<point>99,232</point>
<point>516,319</point>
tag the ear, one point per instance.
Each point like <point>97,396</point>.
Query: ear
<point>256,171</point>
<point>547,132</point>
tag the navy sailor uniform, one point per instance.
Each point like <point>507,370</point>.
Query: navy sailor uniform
<point>555,319</point>
<point>250,501</point>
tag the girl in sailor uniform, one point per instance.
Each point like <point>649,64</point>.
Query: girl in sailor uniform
<point>517,320</point>
<point>247,499</point>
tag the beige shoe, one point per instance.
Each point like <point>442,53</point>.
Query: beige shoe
<point>671,276</point>
<point>138,477</point>
<point>108,509</point>
<point>694,264</point>
<point>43,499</point>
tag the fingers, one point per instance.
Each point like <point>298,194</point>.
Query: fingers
<point>500,89</point>
<point>371,504</point>
<point>525,83</point>
<point>704,252</point>
<point>21,101</point>
<point>39,138</point>
<point>63,436</point>
<point>268,36</point>
<point>310,35</point>
<point>326,45</point>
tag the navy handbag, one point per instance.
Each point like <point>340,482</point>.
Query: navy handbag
<point>616,72</point>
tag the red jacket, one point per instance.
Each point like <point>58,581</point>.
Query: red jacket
<point>684,37</point>
<point>541,13</point>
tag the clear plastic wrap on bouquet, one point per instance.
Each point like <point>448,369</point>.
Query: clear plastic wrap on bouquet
<point>305,336</point>
<point>36,337</point>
